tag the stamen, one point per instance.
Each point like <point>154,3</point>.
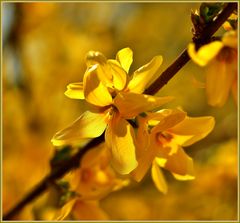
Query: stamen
<point>163,137</point>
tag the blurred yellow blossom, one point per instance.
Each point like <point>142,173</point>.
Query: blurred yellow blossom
<point>220,59</point>
<point>113,97</point>
<point>160,138</point>
<point>82,210</point>
<point>93,180</point>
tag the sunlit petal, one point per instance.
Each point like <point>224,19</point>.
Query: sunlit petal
<point>88,125</point>
<point>230,39</point>
<point>125,58</point>
<point>75,91</point>
<point>93,156</point>
<point>66,210</point>
<point>167,118</point>
<point>120,138</point>
<point>219,79</point>
<point>95,57</point>
<point>179,163</point>
<point>198,128</point>
<point>132,104</point>
<point>144,163</point>
<point>145,152</point>
<point>94,91</point>
<point>145,75</point>
<point>105,75</point>
<point>119,75</point>
<point>183,140</point>
<point>206,53</point>
<point>158,178</point>
<point>143,139</point>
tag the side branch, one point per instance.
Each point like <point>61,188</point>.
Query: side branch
<point>73,162</point>
<point>203,38</point>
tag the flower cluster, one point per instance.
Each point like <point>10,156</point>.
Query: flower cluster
<point>93,180</point>
<point>113,96</point>
<point>161,136</point>
<point>116,100</point>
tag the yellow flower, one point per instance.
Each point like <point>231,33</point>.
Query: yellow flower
<point>161,137</point>
<point>81,210</point>
<point>113,97</point>
<point>220,59</point>
<point>93,180</point>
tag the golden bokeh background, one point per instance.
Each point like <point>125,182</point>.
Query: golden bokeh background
<point>44,46</point>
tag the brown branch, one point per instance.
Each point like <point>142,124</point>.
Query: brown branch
<point>154,88</point>
<point>184,57</point>
<point>54,175</point>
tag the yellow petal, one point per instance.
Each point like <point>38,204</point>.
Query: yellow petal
<point>132,104</point>
<point>230,39</point>
<point>95,156</point>
<point>158,178</point>
<point>94,91</point>
<point>227,26</point>
<point>145,75</point>
<point>178,163</point>
<point>144,163</point>
<point>95,57</point>
<point>167,118</point>
<point>183,140</point>
<point>66,210</point>
<point>219,79</point>
<point>120,139</point>
<point>206,53</point>
<point>88,210</point>
<point>145,153</point>
<point>143,139</point>
<point>88,125</point>
<point>75,91</point>
<point>118,74</point>
<point>125,58</point>
<point>198,128</point>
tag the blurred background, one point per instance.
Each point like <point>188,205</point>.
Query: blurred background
<point>44,47</point>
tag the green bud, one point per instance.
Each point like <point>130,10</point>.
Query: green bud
<point>60,156</point>
<point>208,11</point>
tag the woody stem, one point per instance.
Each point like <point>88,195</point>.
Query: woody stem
<point>202,39</point>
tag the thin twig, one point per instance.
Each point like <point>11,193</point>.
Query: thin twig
<point>73,162</point>
<point>184,57</point>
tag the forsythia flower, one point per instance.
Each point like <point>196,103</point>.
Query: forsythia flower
<point>220,59</point>
<point>160,138</point>
<point>93,180</point>
<point>114,97</point>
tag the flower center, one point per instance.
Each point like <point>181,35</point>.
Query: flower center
<point>163,138</point>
